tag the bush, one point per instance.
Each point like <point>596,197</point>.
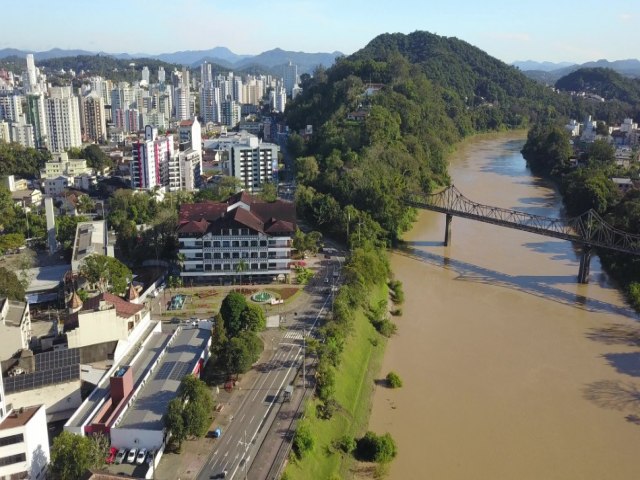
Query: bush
<point>326,409</point>
<point>302,440</point>
<point>397,312</point>
<point>394,380</point>
<point>346,444</point>
<point>396,291</point>
<point>374,448</point>
<point>385,327</point>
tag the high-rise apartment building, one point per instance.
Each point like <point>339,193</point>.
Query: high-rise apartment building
<point>94,126</point>
<point>210,103</point>
<point>63,119</point>
<point>10,106</point>
<point>37,116</point>
<point>151,160</point>
<point>206,76</point>
<point>252,162</point>
<point>290,76</point>
<point>32,74</point>
<point>161,75</point>
<point>182,102</point>
<point>229,112</point>
<point>145,75</point>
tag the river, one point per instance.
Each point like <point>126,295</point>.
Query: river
<point>511,369</point>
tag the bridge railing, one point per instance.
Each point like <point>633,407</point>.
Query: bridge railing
<point>588,228</point>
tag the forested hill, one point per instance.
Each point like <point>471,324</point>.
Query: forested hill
<point>604,82</point>
<point>459,66</point>
<point>369,149</point>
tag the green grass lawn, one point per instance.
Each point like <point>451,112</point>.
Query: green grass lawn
<point>354,388</point>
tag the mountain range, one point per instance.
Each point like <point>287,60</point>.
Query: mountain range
<point>549,73</point>
<point>193,58</point>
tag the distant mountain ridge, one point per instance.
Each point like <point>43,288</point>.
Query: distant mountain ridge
<point>544,73</point>
<point>220,55</point>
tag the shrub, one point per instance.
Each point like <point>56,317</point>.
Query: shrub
<point>374,448</point>
<point>385,327</point>
<point>302,440</point>
<point>397,292</point>
<point>326,409</point>
<point>394,380</point>
<point>346,444</point>
<point>397,312</point>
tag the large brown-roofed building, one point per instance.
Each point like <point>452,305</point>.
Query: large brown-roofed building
<point>243,236</point>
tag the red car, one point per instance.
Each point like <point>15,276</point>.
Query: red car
<point>113,451</point>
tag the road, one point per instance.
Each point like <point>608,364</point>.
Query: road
<point>235,450</point>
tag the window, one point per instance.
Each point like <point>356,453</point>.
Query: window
<point>245,243</point>
<point>10,460</point>
<point>217,267</point>
<point>207,267</point>
<point>198,244</point>
<point>272,265</point>
<point>216,244</point>
<point>226,266</point>
<point>263,243</point>
<point>254,266</point>
<point>198,254</point>
<point>254,243</point>
<point>216,256</point>
<point>235,255</point>
<point>207,244</point>
<point>11,439</point>
<point>263,254</point>
<point>263,266</point>
<point>245,254</point>
<point>226,255</point>
<point>235,244</point>
<point>225,244</point>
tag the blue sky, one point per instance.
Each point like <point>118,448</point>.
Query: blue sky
<point>507,29</point>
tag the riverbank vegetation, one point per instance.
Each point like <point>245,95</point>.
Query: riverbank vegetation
<point>384,120</point>
<point>588,185</point>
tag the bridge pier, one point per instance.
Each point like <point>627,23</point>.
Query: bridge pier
<point>585,264</point>
<point>447,230</point>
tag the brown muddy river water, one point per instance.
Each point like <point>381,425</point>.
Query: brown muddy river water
<point>511,369</point>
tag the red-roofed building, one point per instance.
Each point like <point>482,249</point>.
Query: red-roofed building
<point>242,237</point>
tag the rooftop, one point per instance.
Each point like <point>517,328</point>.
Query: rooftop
<point>19,418</point>
<point>15,312</point>
<point>181,358</point>
<point>90,238</point>
<point>241,209</point>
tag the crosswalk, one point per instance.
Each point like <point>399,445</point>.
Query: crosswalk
<point>293,335</point>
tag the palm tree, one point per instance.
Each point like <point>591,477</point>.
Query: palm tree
<point>241,267</point>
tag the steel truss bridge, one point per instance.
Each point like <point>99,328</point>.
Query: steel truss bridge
<point>588,229</point>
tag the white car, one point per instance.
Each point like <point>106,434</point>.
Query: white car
<point>131,458</point>
<point>142,454</point>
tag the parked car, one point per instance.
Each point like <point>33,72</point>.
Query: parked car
<point>111,457</point>
<point>131,458</point>
<point>217,432</point>
<point>120,456</point>
<point>142,454</point>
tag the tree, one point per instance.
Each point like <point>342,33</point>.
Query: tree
<point>253,318</point>
<point>10,285</point>
<point>174,422</point>
<point>85,204</point>
<point>306,169</point>
<point>106,273</point>
<point>241,267</point>
<point>11,241</point>
<point>66,226</point>
<point>198,405</point>
<point>227,186</point>
<point>269,192</point>
<point>600,152</point>
<point>72,455</point>
<point>233,305</point>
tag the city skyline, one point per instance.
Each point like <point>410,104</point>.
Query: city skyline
<point>540,31</point>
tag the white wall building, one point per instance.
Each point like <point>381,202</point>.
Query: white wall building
<point>15,327</point>
<point>218,237</point>
<point>24,443</point>
<point>63,119</point>
<point>106,318</point>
